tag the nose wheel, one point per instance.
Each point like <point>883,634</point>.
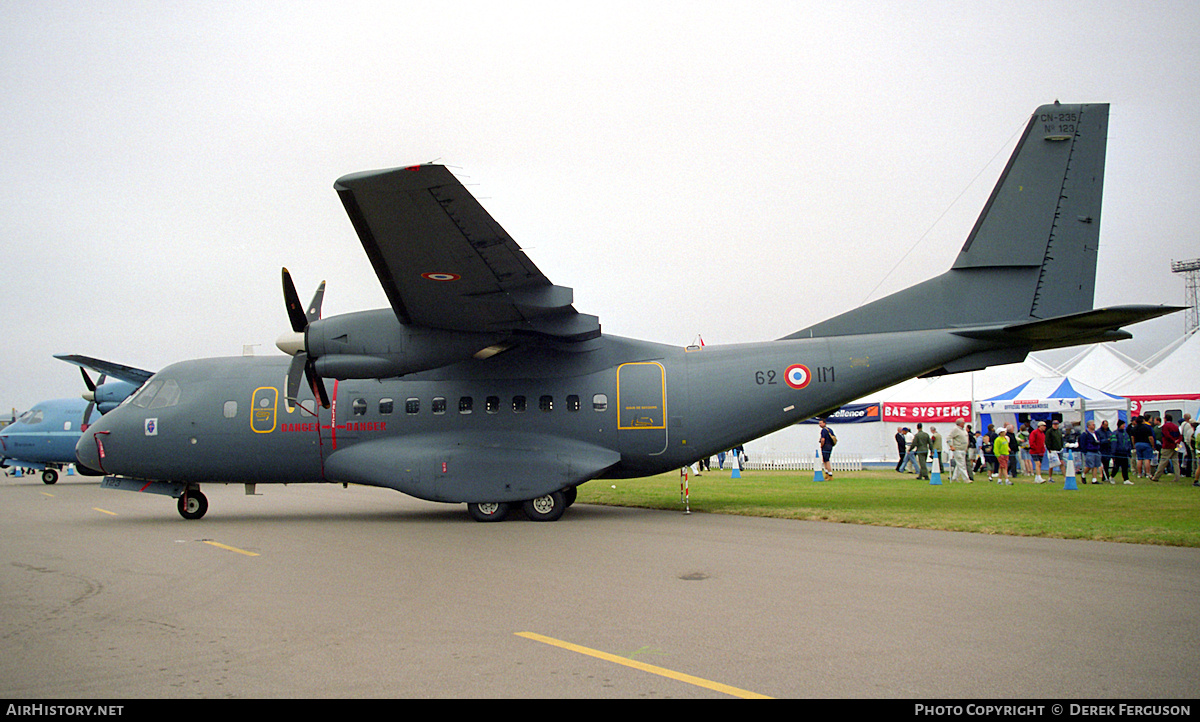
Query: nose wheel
<point>192,504</point>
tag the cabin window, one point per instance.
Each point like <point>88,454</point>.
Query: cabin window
<point>359,407</point>
<point>492,404</point>
<point>573,402</point>
<point>230,409</point>
<point>465,404</point>
<point>385,406</point>
<point>439,404</point>
<point>66,426</point>
<point>412,406</point>
<point>546,403</point>
<point>518,404</point>
<point>600,402</point>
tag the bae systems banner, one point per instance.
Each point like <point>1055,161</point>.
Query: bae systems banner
<point>941,411</point>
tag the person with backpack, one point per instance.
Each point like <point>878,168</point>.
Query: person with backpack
<point>828,440</point>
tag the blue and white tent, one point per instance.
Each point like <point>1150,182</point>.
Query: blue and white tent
<point>1041,398</point>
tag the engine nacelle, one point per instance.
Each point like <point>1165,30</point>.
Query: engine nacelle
<point>109,395</point>
<point>373,344</point>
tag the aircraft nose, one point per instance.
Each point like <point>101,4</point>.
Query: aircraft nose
<point>88,450</point>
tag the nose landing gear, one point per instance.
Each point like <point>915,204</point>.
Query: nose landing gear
<point>192,504</point>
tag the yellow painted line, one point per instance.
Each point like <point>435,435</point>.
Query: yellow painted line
<point>48,494</point>
<point>231,549</point>
<point>104,511</point>
<point>662,672</point>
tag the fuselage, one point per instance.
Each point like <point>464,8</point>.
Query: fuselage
<point>615,408</point>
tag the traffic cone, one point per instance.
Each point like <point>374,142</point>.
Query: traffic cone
<point>736,466</point>
<point>935,479</point>
<point>818,473</point>
<point>1069,474</point>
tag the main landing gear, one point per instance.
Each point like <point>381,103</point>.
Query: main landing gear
<point>49,476</point>
<point>549,507</point>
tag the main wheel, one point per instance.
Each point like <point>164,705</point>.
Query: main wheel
<point>488,511</point>
<point>545,508</point>
<point>192,504</point>
<point>570,493</point>
<point>49,476</point>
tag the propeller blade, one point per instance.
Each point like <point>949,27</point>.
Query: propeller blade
<point>87,380</point>
<point>295,371</point>
<point>314,308</point>
<point>295,311</point>
<point>87,416</point>
<point>316,383</point>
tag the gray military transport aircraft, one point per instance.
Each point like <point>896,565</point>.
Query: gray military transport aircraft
<point>482,384</point>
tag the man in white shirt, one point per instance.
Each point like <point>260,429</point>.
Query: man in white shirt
<point>957,442</point>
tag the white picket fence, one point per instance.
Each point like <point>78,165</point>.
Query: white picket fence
<point>802,462</point>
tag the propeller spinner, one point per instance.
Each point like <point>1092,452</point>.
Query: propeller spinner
<point>294,343</point>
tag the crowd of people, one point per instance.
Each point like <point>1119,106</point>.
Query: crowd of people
<point>1146,448</point>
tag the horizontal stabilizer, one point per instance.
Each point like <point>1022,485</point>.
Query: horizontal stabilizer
<point>1100,324</point>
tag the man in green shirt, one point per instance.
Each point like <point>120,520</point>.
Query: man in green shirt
<point>920,448</point>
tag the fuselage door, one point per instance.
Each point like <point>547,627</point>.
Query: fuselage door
<point>263,407</point>
<point>642,408</point>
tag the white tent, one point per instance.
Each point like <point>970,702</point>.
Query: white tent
<point>1073,400</point>
<point>1172,383</point>
<point>1178,372</point>
<point>1101,366</point>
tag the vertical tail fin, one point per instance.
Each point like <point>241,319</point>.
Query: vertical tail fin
<point>1044,213</point>
<point>1032,253</point>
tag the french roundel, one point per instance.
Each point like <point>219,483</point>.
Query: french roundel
<point>441,276</point>
<point>797,376</point>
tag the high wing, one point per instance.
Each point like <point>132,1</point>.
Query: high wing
<point>132,375</point>
<point>445,263</point>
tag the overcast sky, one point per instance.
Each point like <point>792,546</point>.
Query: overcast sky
<point>737,170</point>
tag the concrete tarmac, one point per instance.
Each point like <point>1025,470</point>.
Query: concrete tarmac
<point>320,591</point>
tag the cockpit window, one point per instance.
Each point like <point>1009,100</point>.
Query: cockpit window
<point>157,394</point>
<point>168,395</point>
<point>30,417</point>
<point>146,395</point>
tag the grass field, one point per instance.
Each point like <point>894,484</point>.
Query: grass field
<point>1164,512</point>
